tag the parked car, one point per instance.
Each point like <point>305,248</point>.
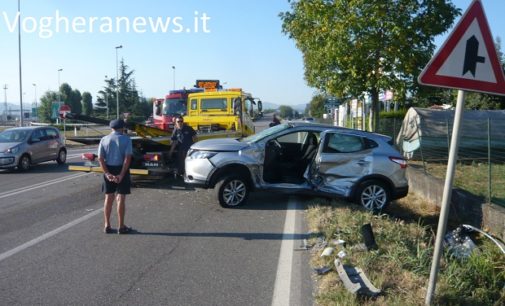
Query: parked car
<point>25,146</point>
<point>301,157</point>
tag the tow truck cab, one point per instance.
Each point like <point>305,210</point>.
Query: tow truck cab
<point>224,110</point>
<point>173,105</point>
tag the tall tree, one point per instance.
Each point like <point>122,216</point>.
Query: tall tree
<point>75,101</point>
<point>87,103</point>
<point>106,97</point>
<point>46,104</point>
<point>354,47</point>
<point>316,106</point>
<point>129,98</point>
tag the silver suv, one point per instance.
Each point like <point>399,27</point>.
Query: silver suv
<point>300,157</point>
<point>22,147</point>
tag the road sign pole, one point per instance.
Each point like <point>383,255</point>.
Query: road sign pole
<point>64,131</point>
<point>446,198</point>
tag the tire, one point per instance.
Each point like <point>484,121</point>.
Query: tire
<point>24,163</point>
<point>232,191</point>
<point>373,195</point>
<point>62,157</point>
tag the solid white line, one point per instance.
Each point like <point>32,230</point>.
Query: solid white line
<point>40,185</point>
<point>282,288</point>
<point>48,235</point>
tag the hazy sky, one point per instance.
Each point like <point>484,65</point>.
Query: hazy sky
<point>236,41</point>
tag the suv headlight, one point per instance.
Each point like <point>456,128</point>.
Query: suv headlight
<point>13,150</point>
<point>201,154</point>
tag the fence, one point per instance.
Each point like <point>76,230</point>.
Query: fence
<point>481,155</point>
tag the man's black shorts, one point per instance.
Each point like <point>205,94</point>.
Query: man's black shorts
<point>110,187</point>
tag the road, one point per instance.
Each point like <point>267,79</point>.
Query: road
<point>186,249</point>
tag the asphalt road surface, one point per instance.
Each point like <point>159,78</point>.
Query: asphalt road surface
<point>185,250</point>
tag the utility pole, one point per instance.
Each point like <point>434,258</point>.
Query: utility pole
<point>20,73</point>
<point>107,100</point>
<point>117,83</point>
<point>5,101</point>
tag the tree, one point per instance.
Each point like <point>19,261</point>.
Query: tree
<point>316,106</point>
<point>75,102</point>
<point>45,106</point>
<point>286,111</point>
<point>87,103</point>
<point>355,47</point>
<point>129,98</point>
<point>106,97</point>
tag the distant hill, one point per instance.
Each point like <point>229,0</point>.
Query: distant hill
<point>299,107</point>
<point>10,106</point>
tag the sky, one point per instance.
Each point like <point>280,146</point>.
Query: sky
<point>239,42</point>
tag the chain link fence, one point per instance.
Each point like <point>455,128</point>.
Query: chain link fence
<point>480,167</point>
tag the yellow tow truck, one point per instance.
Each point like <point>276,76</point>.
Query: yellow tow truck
<point>213,113</point>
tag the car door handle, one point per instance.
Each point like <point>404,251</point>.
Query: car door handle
<point>363,162</point>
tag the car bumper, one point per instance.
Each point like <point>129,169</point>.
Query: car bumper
<point>8,161</point>
<point>198,171</point>
<point>400,192</point>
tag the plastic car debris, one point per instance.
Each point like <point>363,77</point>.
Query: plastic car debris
<point>458,243</point>
<point>305,246</point>
<point>360,247</point>
<point>368,237</point>
<point>322,270</point>
<point>495,240</point>
<point>327,251</point>
<point>342,254</point>
<point>338,242</point>
<point>355,280</point>
<point>320,243</point>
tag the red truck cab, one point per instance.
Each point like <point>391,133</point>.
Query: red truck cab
<point>174,105</point>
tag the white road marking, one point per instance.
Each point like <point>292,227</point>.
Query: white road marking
<point>50,234</point>
<point>282,288</point>
<point>40,185</point>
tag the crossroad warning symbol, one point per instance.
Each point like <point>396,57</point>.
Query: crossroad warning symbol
<point>468,59</point>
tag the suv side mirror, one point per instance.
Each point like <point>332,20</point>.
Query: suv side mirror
<point>260,106</point>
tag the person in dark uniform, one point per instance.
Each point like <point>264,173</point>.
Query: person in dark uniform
<point>275,121</point>
<point>183,137</point>
<point>114,156</point>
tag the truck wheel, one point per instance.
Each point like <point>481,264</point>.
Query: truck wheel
<point>232,191</point>
<point>24,163</point>
<point>62,157</point>
<point>373,195</point>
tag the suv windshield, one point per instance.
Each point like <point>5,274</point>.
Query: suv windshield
<point>265,133</point>
<point>174,106</point>
<point>13,136</point>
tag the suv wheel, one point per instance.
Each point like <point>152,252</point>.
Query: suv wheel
<point>62,157</point>
<point>373,195</point>
<point>24,163</point>
<point>232,191</point>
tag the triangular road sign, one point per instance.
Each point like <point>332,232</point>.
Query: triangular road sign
<point>467,60</point>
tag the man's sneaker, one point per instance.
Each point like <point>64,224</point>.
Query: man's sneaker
<point>124,230</point>
<point>108,230</point>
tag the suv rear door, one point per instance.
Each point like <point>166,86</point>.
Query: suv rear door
<point>342,159</point>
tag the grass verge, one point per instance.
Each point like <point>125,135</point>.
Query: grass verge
<point>401,265</point>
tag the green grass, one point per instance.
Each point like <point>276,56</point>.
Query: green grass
<point>474,178</point>
<point>401,265</point>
